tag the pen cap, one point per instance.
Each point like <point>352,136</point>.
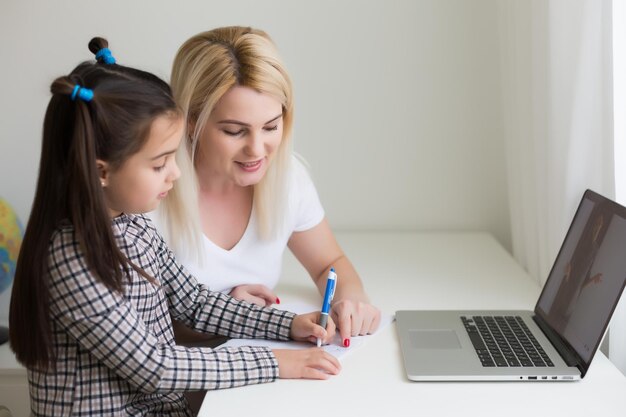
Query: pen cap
<point>330,290</point>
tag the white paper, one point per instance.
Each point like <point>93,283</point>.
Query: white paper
<point>335,348</point>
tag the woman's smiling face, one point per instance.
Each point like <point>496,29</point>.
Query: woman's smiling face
<point>240,137</point>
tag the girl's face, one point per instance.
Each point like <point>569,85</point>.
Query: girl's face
<point>143,180</point>
<point>240,138</point>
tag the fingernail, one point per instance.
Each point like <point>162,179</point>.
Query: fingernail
<point>277,300</point>
<point>346,342</point>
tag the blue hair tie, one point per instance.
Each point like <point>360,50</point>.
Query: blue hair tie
<point>105,54</point>
<point>85,94</point>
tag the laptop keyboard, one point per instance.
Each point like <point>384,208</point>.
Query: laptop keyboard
<point>504,341</point>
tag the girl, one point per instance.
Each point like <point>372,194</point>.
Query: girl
<point>95,285</point>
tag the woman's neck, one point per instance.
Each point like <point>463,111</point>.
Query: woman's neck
<point>225,213</point>
<point>211,182</point>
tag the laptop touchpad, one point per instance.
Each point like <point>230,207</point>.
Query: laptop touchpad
<point>434,339</point>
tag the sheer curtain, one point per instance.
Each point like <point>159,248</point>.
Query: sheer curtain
<point>558,107</point>
<point>617,339</point>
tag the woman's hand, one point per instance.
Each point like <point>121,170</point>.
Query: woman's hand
<point>354,318</point>
<point>318,251</point>
<point>312,363</point>
<point>255,294</point>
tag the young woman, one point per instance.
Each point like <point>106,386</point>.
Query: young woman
<point>95,285</point>
<point>244,197</point>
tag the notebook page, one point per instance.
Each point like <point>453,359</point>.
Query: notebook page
<point>335,348</point>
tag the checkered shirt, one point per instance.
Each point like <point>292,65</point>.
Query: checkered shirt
<point>115,353</point>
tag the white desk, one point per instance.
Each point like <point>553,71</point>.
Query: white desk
<point>423,271</point>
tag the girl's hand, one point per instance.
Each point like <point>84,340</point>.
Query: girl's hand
<point>355,318</point>
<point>255,294</point>
<point>312,363</point>
<point>305,328</point>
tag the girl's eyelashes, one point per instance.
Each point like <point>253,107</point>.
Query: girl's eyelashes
<point>271,128</point>
<point>161,167</point>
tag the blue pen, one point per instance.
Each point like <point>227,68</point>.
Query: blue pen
<point>328,297</point>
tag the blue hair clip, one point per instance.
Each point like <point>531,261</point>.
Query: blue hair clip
<point>105,54</point>
<point>85,94</point>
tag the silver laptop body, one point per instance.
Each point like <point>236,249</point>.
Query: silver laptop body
<point>568,322</point>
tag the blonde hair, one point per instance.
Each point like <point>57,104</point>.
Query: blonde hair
<point>207,66</point>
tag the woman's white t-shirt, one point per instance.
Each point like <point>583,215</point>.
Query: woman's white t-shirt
<point>254,260</point>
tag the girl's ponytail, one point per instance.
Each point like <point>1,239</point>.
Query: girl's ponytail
<point>100,111</point>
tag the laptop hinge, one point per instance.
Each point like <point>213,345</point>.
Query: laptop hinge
<point>570,357</point>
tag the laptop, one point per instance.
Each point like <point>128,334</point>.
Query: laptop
<point>556,341</point>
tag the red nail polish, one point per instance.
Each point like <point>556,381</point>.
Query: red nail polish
<point>346,342</point>
<point>277,300</point>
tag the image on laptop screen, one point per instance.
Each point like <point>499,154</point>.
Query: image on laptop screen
<point>587,277</point>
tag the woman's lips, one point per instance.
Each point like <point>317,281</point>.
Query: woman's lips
<point>251,166</point>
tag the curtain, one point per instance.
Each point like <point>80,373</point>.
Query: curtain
<point>617,339</point>
<point>558,119</point>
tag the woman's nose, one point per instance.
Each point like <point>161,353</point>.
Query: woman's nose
<point>254,145</point>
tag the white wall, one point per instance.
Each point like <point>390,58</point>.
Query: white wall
<point>397,102</point>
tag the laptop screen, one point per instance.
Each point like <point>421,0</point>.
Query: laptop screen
<point>588,276</point>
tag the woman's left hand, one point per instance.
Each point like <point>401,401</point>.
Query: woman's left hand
<point>354,318</point>
<point>255,294</point>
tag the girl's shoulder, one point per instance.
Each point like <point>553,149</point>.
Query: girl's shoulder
<point>144,227</point>
<point>132,222</point>
<point>141,221</point>
<point>63,236</point>
<point>141,226</point>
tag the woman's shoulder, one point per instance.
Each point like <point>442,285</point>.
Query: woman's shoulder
<point>299,171</point>
<point>298,164</point>
<point>305,208</point>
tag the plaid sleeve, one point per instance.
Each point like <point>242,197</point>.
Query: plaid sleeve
<point>214,312</point>
<point>105,325</point>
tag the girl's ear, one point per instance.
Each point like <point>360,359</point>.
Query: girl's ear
<point>103,172</point>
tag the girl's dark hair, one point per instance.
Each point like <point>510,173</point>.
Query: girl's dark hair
<point>111,127</point>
